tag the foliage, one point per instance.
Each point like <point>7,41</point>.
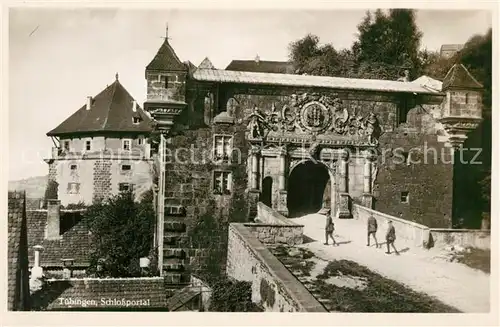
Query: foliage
<point>232,296</point>
<point>72,206</point>
<point>51,190</point>
<point>380,295</point>
<point>122,232</point>
<point>386,44</point>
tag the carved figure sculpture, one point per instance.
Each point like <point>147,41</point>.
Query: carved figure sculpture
<point>371,128</point>
<point>256,120</point>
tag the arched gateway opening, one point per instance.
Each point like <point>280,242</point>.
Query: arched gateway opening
<point>308,189</point>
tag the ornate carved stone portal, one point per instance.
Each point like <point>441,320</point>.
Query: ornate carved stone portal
<point>310,127</point>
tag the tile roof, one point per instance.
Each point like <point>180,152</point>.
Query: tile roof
<point>225,76</point>
<point>17,253</point>
<point>459,77</point>
<point>143,294</point>
<point>75,243</point>
<point>429,82</point>
<point>261,66</point>
<point>166,59</point>
<point>452,47</point>
<point>111,111</point>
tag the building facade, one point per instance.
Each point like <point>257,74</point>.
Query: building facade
<point>102,149</point>
<point>229,139</point>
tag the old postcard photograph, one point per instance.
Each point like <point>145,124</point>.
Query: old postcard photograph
<point>334,160</point>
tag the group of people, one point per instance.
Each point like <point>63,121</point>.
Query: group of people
<point>372,227</point>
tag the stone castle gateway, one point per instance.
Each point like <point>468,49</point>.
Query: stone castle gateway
<point>296,143</point>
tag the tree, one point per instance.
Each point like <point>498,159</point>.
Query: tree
<point>122,232</point>
<point>386,44</point>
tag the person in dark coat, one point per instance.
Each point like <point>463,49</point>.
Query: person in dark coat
<point>372,230</point>
<point>390,237</point>
<point>329,228</point>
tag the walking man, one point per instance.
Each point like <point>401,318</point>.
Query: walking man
<point>390,237</point>
<point>329,228</point>
<point>372,230</point>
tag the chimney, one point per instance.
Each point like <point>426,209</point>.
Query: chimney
<point>52,229</point>
<point>38,249</point>
<point>257,59</point>
<point>89,102</point>
<point>134,106</point>
<point>68,268</point>
<point>36,276</point>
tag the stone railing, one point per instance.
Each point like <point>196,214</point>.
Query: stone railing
<point>270,227</point>
<point>273,286</point>
<point>476,238</point>
<point>411,232</point>
<point>266,215</point>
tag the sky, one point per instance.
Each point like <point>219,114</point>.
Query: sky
<point>58,57</point>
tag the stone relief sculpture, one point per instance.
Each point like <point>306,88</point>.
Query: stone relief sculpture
<point>255,124</point>
<point>314,114</point>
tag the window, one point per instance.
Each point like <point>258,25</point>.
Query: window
<point>126,167</point>
<point>405,197</point>
<point>136,120</point>
<point>164,81</point>
<point>88,145</point>
<point>223,146</point>
<point>126,144</point>
<point>404,106</point>
<point>140,140</point>
<point>73,188</point>
<point>125,187</point>
<point>73,167</point>
<point>66,145</point>
<point>222,182</point>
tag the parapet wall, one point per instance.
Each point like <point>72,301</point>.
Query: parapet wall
<point>409,231</point>
<point>476,238</point>
<point>273,286</point>
<point>423,236</point>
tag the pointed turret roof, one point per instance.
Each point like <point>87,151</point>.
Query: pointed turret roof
<point>206,64</point>
<point>458,77</point>
<point>166,59</point>
<point>110,111</point>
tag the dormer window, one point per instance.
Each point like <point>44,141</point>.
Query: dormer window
<point>126,144</point>
<point>88,145</point>
<point>136,120</point>
<point>66,145</point>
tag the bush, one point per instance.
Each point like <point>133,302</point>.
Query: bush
<point>122,232</point>
<point>232,296</point>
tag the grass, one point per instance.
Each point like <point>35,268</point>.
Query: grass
<point>476,258</point>
<point>380,295</point>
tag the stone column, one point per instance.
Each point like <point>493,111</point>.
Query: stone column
<point>282,180</point>
<point>333,188</point>
<point>367,180</point>
<point>344,205</point>
<point>253,191</point>
<point>254,182</point>
<point>282,197</point>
